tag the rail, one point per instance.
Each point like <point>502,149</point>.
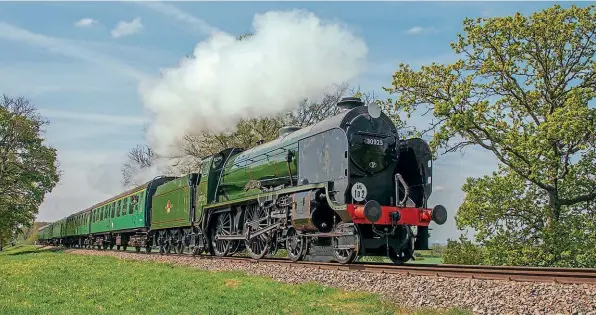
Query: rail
<point>510,273</point>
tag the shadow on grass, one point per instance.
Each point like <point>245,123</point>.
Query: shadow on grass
<point>29,249</point>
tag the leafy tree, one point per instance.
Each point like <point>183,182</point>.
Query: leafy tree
<point>28,168</point>
<point>521,90</point>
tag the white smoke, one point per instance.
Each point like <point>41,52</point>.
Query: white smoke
<point>291,56</point>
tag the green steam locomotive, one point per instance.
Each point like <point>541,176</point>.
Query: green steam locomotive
<point>345,187</point>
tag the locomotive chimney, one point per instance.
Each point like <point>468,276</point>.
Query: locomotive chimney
<point>283,131</point>
<point>348,103</point>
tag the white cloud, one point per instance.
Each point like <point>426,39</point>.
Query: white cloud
<point>180,15</point>
<point>86,22</point>
<point>67,48</point>
<point>93,117</point>
<point>124,28</point>
<point>420,30</point>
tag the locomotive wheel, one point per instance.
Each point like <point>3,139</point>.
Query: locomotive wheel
<point>117,247</point>
<point>164,243</point>
<point>296,245</point>
<point>138,249</point>
<point>199,245</point>
<point>257,247</point>
<point>346,255</point>
<point>177,241</point>
<point>181,241</point>
<point>221,226</point>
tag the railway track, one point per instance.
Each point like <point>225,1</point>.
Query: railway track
<point>556,275</point>
<point>511,273</point>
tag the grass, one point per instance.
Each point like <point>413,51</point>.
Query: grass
<point>35,280</point>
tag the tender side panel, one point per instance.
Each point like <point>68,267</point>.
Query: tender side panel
<point>171,204</point>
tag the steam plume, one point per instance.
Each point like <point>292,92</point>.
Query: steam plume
<point>291,56</point>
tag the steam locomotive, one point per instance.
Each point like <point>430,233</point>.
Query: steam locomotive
<point>345,187</point>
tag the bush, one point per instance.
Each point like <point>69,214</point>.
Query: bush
<point>463,252</point>
<point>437,250</point>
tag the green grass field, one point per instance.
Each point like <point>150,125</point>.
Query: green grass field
<point>41,281</point>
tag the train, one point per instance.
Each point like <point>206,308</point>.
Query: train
<point>345,187</point>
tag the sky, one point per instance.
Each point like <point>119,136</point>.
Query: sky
<point>81,64</point>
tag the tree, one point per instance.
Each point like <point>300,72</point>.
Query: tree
<point>521,90</point>
<point>139,157</point>
<point>28,168</point>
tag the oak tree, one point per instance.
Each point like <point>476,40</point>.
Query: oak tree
<point>522,89</point>
<point>28,167</point>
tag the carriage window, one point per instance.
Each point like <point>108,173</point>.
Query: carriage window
<point>124,203</point>
<point>137,202</point>
<point>131,204</point>
<point>118,208</point>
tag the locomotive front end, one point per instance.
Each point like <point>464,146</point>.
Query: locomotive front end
<point>389,185</point>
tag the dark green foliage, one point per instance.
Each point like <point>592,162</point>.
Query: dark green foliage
<point>28,167</point>
<point>520,91</point>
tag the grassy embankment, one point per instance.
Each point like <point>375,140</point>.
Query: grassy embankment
<point>40,281</point>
